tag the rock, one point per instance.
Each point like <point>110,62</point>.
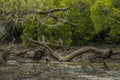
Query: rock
<point>4,56</point>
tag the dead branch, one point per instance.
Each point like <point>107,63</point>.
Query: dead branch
<point>63,21</point>
<point>70,23</point>
<point>38,30</point>
<point>54,54</point>
<point>52,11</point>
<point>103,52</point>
<point>54,17</point>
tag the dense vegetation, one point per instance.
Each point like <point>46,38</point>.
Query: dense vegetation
<point>76,22</point>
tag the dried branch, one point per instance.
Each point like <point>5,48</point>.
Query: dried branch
<point>43,39</point>
<point>54,54</point>
<point>63,21</point>
<point>103,52</point>
<point>70,23</point>
<point>54,17</point>
<point>38,34</point>
<point>52,11</point>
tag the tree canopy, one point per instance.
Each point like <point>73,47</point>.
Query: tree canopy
<point>75,22</point>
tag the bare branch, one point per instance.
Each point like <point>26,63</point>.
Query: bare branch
<point>63,21</point>
<point>38,34</point>
<point>70,23</point>
<point>30,39</point>
<point>43,39</point>
<point>54,54</point>
<point>103,52</point>
<point>52,11</point>
<point>54,17</point>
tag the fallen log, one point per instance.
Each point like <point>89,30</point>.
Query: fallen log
<point>104,53</point>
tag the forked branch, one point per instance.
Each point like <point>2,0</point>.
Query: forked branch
<point>103,52</point>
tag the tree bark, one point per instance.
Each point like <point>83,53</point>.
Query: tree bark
<point>52,11</point>
<point>104,53</point>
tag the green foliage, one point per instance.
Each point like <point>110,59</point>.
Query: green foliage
<point>10,20</point>
<point>104,15</point>
<point>116,3</point>
<point>100,12</point>
<point>49,27</point>
<point>30,28</point>
<point>52,33</point>
<point>80,15</point>
<point>114,34</point>
<point>87,18</point>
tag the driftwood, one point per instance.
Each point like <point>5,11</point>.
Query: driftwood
<point>104,53</point>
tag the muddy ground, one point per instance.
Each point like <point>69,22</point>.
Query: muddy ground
<point>83,67</point>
